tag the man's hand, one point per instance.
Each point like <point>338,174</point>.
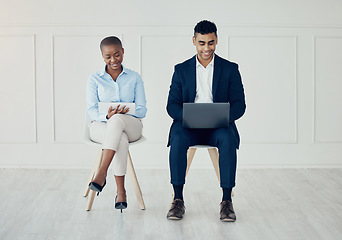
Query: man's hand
<point>116,110</point>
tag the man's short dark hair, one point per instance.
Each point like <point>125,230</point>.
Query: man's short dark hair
<point>112,40</point>
<point>205,27</point>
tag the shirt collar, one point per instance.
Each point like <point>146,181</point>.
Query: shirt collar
<point>103,71</point>
<point>210,64</point>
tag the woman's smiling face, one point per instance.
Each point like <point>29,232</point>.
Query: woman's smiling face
<point>113,56</point>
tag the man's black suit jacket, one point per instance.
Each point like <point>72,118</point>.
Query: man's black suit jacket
<point>227,87</point>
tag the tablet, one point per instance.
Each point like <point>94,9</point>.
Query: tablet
<point>104,106</point>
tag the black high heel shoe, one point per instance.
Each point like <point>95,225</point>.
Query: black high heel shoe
<point>120,205</point>
<point>96,187</point>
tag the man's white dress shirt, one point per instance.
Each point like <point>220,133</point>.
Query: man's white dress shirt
<point>204,82</point>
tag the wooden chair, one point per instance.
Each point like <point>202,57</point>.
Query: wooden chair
<point>130,170</point>
<point>214,156</point>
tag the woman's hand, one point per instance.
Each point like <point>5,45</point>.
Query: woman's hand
<point>116,110</point>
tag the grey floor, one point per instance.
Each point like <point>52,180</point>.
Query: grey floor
<point>269,203</point>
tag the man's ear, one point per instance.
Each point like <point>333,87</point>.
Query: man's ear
<point>194,40</point>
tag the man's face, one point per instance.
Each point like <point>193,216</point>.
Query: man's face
<point>205,46</point>
<point>113,56</point>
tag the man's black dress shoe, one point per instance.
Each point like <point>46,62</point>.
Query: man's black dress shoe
<point>177,210</point>
<point>227,213</point>
<point>96,187</point>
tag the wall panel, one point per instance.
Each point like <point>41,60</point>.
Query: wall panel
<point>17,91</point>
<point>74,59</point>
<point>158,61</point>
<point>268,66</point>
<point>327,92</point>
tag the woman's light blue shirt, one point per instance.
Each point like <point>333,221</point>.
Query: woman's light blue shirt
<point>128,87</point>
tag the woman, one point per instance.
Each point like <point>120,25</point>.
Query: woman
<point>116,129</point>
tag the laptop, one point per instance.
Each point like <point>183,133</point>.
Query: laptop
<point>104,106</point>
<point>206,115</point>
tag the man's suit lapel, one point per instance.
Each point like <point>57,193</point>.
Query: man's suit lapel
<point>192,79</point>
<point>216,75</point>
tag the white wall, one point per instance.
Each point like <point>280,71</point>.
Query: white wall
<point>289,53</point>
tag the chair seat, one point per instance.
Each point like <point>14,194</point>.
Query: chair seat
<point>202,146</point>
<point>140,140</point>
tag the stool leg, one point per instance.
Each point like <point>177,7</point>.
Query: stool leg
<point>190,157</point>
<point>135,183</point>
<point>94,170</point>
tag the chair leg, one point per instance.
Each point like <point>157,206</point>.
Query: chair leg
<point>135,183</point>
<point>93,172</point>
<point>91,200</point>
<point>190,157</point>
<point>215,160</point>
<point>214,156</point>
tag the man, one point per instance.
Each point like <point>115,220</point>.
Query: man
<point>208,78</point>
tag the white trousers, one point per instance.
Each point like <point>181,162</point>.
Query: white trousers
<point>116,134</point>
